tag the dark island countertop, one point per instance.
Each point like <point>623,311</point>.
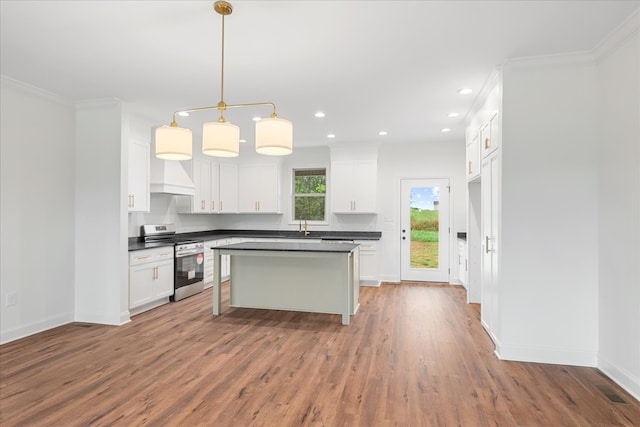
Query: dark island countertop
<point>136,244</point>
<point>292,247</point>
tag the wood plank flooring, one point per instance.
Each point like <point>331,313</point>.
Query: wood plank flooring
<point>414,355</point>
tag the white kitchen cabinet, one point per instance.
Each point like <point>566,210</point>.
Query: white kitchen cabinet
<point>224,188</point>
<point>473,158</point>
<point>369,275</point>
<point>199,170</point>
<point>216,187</point>
<point>150,277</point>
<point>209,263</point>
<point>490,195</point>
<point>354,186</point>
<point>258,188</point>
<point>490,136</point>
<point>138,181</point>
<point>463,263</point>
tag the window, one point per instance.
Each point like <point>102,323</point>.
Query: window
<point>309,194</point>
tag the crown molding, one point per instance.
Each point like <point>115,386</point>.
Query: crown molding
<point>34,90</point>
<point>616,38</point>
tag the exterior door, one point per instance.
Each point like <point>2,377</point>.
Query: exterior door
<point>424,234</point>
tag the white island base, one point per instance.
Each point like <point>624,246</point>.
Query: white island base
<point>309,277</point>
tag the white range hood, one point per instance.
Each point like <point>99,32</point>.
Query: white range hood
<point>169,177</point>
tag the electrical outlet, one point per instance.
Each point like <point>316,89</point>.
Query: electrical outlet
<point>12,299</point>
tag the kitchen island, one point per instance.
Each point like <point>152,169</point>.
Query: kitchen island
<point>296,276</point>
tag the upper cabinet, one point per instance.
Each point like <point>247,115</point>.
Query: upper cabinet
<point>224,187</point>
<point>258,188</point>
<point>354,186</point>
<point>490,135</point>
<point>473,157</point>
<point>216,187</point>
<point>139,158</point>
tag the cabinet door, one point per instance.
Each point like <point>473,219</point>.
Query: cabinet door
<point>214,193</point>
<point>163,283</point>
<point>490,136</point>
<point>139,160</point>
<point>228,192</point>
<point>473,158</point>
<point>202,181</point>
<point>141,284</point>
<point>365,177</point>
<point>258,189</point>
<point>489,263</point>
<point>342,187</point>
<point>368,263</point>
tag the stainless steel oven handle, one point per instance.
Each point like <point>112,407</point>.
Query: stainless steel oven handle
<point>189,252</point>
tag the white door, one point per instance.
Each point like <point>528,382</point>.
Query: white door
<point>424,234</point>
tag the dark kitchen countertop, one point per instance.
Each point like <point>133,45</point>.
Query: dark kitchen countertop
<point>136,244</point>
<point>292,247</point>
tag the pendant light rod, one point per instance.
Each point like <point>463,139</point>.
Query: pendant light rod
<point>224,107</point>
<point>223,8</point>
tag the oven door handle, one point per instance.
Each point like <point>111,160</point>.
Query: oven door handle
<point>190,252</point>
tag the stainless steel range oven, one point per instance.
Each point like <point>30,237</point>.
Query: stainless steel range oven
<point>188,260</point>
<point>188,269</point>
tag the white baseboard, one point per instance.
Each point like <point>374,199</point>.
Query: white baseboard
<point>370,283</point>
<point>621,376</point>
<point>34,328</point>
<point>546,355</point>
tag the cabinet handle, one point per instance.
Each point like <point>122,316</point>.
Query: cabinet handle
<point>213,205</point>
<point>486,143</point>
<point>258,205</point>
<point>220,205</point>
<point>143,257</point>
<point>466,265</point>
<point>133,200</point>
<point>469,167</point>
<point>355,208</point>
<point>486,244</point>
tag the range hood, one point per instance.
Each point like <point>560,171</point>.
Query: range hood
<point>169,177</point>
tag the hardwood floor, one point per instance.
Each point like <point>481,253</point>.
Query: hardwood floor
<point>414,355</point>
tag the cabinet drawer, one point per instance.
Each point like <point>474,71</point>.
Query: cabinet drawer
<point>150,255</point>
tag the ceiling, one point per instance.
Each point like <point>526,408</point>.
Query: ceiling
<point>369,65</point>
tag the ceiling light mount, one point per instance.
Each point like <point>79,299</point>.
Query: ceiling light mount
<point>274,136</point>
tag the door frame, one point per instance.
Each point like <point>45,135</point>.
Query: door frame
<point>447,274</point>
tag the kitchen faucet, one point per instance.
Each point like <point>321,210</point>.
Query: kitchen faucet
<point>306,230</point>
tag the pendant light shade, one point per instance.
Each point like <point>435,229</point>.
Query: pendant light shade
<point>173,143</point>
<point>274,136</point>
<point>220,139</point>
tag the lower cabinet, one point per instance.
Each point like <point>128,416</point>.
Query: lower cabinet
<point>209,263</point>
<point>369,275</point>
<point>463,263</point>
<point>150,278</point>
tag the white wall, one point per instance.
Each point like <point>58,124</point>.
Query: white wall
<point>417,160</point>
<point>549,257</point>
<point>101,264</point>
<point>619,206</point>
<point>37,210</point>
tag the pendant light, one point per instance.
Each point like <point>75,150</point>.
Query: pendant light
<point>274,136</point>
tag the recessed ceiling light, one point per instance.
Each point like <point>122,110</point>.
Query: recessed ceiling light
<point>319,114</point>
<point>382,133</point>
<point>464,91</point>
<point>256,118</point>
<point>452,115</point>
<point>445,130</point>
<point>183,114</point>
<point>243,140</point>
<point>331,135</point>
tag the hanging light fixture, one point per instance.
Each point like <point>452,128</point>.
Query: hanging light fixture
<point>274,136</point>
